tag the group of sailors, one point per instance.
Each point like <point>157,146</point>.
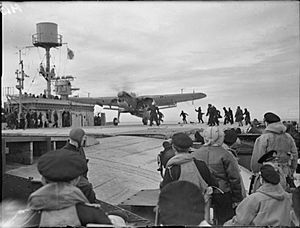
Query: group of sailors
<point>32,95</point>
<point>33,119</point>
<point>193,182</point>
<point>214,115</point>
<point>67,197</point>
<point>272,200</point>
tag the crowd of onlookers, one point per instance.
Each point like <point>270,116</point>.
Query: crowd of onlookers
<point>31,95</point>
<point>272,199</point>
<point>195,179</point>
<point>34,119</point>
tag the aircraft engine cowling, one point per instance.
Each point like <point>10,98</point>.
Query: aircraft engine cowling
<point>126,100</point>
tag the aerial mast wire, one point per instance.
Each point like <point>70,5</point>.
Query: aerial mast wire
<point>20,79</point>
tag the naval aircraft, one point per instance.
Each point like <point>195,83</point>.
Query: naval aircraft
<point>126,102</point>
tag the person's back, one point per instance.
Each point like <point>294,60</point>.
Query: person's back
<point>275,138</point>
<point>183,166</point>
<point>272,201</point>
<point>239,116</point>
<point>278,140</point>
<point>230,139</point>
<point>72,147</point>
<point>70,206</point>
<point>77,140</point>
<point>247,117</point>
<point>223,166</point>
<point>226,116</point>
<point>217,158</point>
<point>270,205</point>
<point>59,202</point>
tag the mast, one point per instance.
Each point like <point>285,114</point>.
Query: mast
<point>48,74</point>
<point>20,80</point>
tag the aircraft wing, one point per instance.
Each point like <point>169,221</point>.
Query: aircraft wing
<point>173,99</point>
<point>128,102</point>
<point>110,101</point>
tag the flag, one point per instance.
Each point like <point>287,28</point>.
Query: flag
<point>70,53</point>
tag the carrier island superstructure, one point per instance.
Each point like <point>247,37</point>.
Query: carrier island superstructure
<point>79,114</point>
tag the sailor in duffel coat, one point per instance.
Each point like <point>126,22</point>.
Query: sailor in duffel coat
<point>275,138</point>
<point>270,205</point>
<point>224,167</point>
<point>59,202</point>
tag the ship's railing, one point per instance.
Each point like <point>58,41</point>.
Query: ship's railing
<point>36,41</point>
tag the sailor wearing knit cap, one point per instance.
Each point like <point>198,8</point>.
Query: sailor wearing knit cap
<point>77,140</point>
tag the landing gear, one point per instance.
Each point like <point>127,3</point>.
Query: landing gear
<point>145,121</point>
<point>115,121</point>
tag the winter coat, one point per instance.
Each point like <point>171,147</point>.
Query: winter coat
<point>275,138</point>
<point>173,169</point>
<point>239,115</point>
<point>247,116</point>
<point>84,185</point>
<point>223,166</point>
<point>233,153</point>
<point>270,205</point>
<point>257,183</point>
<point>60,204</point>
<point>71,147</point>
<point>165,155</point>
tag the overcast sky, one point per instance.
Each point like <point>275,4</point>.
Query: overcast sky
<point>238,53</point>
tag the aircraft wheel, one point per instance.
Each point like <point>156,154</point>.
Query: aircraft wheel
<point>115,121</point>
<point>145,121</point>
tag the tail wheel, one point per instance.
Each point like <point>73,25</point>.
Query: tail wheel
<point>115,121</point>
